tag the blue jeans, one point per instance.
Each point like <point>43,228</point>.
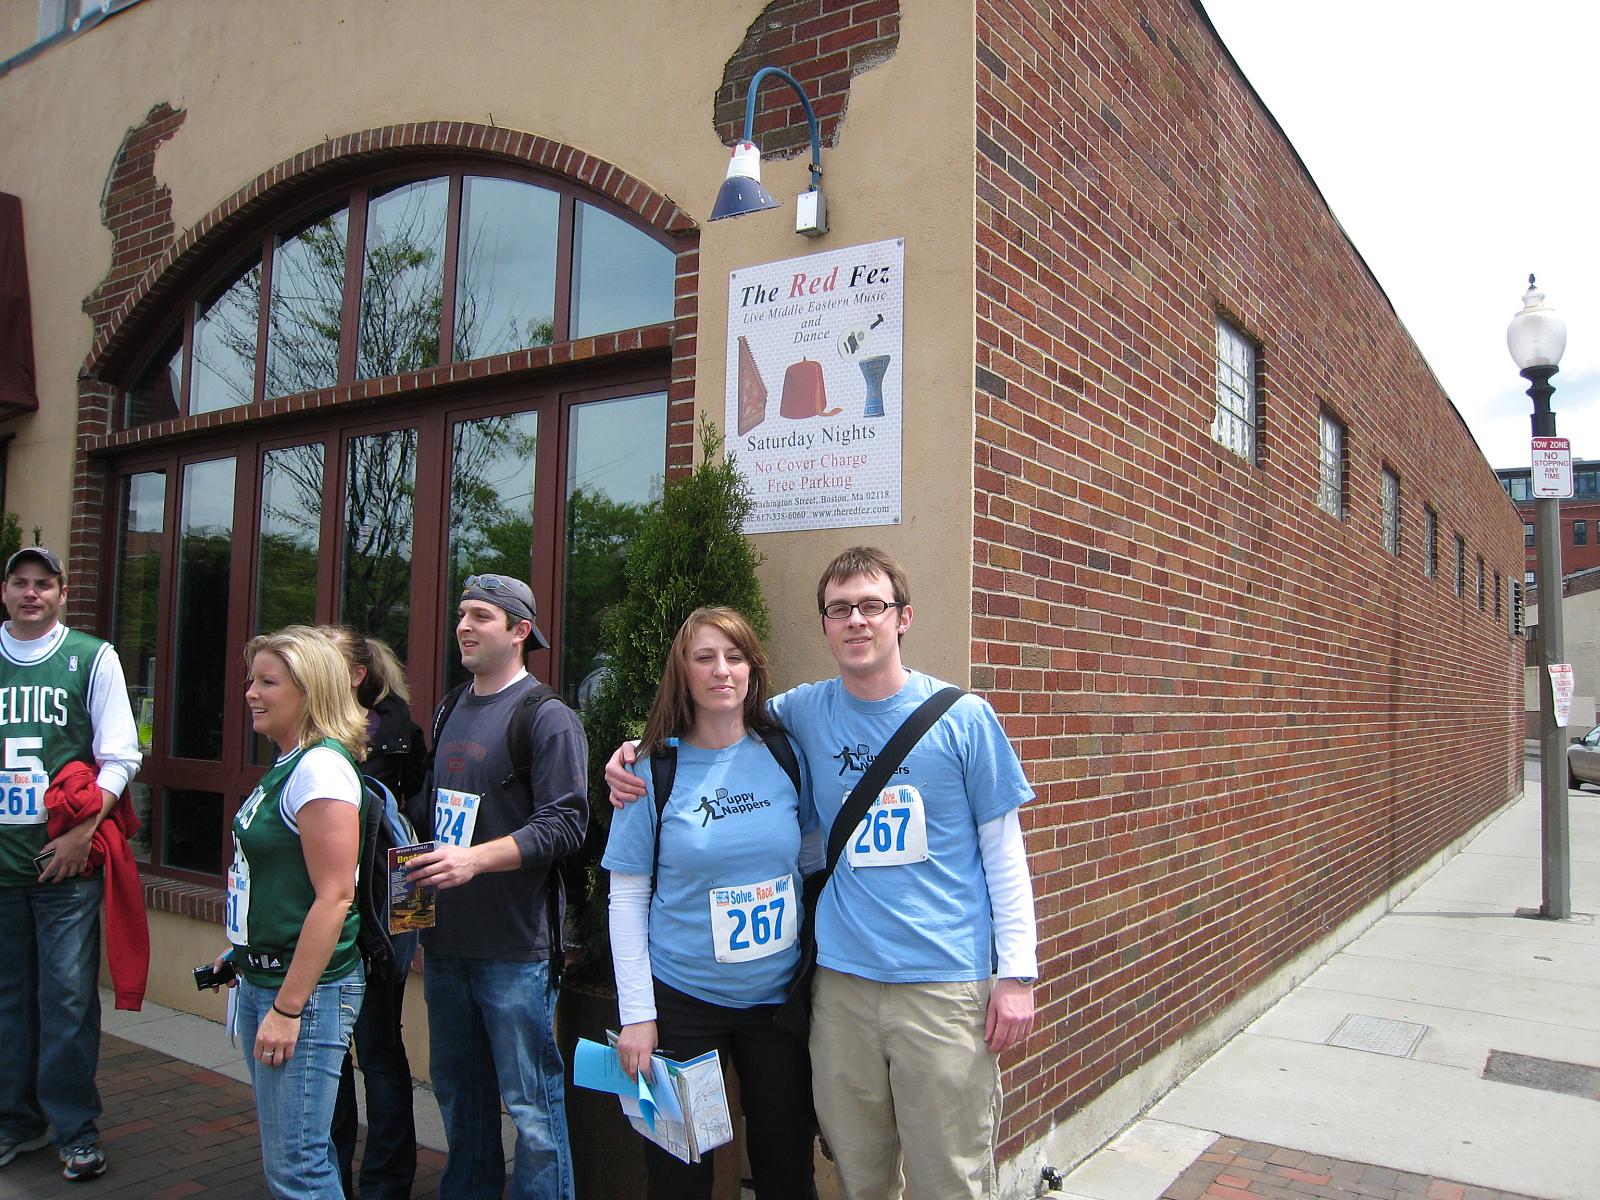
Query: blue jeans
<point>50,1010</point>
<point>492,1029</point>
<point>294,1102</point>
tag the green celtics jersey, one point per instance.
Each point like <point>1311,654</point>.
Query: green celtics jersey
<point>44,725</point>
<point>269,887</point>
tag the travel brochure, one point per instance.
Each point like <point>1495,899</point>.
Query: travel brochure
<point>680,1106</point>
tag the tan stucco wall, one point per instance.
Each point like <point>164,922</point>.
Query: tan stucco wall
<point>630,84</point>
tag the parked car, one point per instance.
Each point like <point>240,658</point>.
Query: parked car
<point>1583,759</point>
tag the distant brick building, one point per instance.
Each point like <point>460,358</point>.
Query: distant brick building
<point>320,326</point>
<point>1580,516</point>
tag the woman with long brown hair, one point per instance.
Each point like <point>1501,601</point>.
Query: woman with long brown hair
<point>705,902</point>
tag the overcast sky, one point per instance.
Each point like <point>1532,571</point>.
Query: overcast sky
<point>1456,142</point>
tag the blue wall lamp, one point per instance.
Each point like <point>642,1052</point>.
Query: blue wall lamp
<point>741,191</point>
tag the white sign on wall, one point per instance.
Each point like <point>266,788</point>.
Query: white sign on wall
<point>813,409</point>
<point>1552,468</point>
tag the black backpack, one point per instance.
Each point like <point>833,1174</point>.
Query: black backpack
<point>388,956</point>
<point>569,874</point>
<point>664,769</point>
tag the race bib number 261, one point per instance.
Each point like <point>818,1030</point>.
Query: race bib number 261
<point>22,797</point>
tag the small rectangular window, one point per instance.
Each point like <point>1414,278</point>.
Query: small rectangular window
<point>1330,458</point>
<point>1461,565</point>
<point>1586,482</point>
<point>1527,536</point>
<point>1391,511</point>
<point>1528,579</point>
<point>1580,533</point>
<point>1521,487</point>
<point>1481,595</point>
<point>1430,542</point>
<point>1235,423</point>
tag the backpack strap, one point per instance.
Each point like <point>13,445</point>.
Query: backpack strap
<point>519,737</point>
<point>782,749</point>
<point>663,770</point>
<point>883,766</point>
<point>441,715</point>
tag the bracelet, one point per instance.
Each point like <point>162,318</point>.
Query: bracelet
<point>291,1016</point>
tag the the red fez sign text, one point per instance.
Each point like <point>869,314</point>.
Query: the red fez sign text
<point>814,387</point>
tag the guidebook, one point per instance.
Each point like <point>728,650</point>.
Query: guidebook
<point>411,905</point>
<point>680,1106</point>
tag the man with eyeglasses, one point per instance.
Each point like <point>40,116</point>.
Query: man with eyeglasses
<point>491,958</point>
<point>927,949</point>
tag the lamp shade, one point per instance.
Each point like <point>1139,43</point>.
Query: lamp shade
<point>741,190</point>
<point>1537,335</point>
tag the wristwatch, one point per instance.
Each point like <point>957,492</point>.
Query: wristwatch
<point>1030,980</point>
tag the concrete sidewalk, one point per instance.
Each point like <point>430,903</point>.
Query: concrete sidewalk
<point>1422,1060</point>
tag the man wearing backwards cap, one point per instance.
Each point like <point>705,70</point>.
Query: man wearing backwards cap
<point>491,997</point>
<point>62,700</point>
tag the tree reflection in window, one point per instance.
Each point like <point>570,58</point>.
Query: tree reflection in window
<point>304,316</point>
<point>492,471</point>
<point>380,503</point>
<point>506,267</point>
<point>291,528</point>
<point>402,285</point>
<point>205,547</point>
<point>226,328</point>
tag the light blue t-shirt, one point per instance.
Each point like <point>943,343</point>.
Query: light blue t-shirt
<point>729,875</point>
<point>908,901</point>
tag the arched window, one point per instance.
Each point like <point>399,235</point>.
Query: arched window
<point>373,511</point>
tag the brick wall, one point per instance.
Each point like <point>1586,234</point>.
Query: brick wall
<point>1243,716</point>
<point>822,43</point>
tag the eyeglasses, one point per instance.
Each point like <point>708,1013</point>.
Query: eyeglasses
<point>489,583</point>
<point>840,610</point>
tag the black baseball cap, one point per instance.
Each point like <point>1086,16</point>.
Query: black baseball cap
<point>511,595</point>
<point>49,558</point>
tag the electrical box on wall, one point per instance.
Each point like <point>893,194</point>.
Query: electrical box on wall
<point>811,213</point>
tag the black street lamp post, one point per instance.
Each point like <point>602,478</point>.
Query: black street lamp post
<point>1536,337</point>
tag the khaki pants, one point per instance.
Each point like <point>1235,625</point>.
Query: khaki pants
<point>900,1072</point>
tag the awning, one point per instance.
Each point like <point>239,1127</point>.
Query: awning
<point>17,394</point>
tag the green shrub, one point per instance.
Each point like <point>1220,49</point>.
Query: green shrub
<point>689,550</point>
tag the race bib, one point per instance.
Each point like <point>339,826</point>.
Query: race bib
<point>455,816</point>
<point>753,920</point>
<point>894,831</point>
<point>22,797</point>
<point>237,916</point>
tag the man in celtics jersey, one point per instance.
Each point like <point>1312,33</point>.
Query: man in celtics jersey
<point>62,700</point>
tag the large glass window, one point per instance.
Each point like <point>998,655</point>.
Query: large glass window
<point>141,523</point>
<point>506,267</point>
<point>379,509</point>
<point>205,542</point>
<point>374,514</point>
<point>403,274</point>
<point>493,464</point>
<point>402,279</point>
<point>307,306</point>
<point>615,452</point>
<point>289,535</point>
<point>624,276</point>
<point>226,327</point>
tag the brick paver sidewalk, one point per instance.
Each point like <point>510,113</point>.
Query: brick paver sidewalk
<point>1237,1170</point>
<point>169,1130</point>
